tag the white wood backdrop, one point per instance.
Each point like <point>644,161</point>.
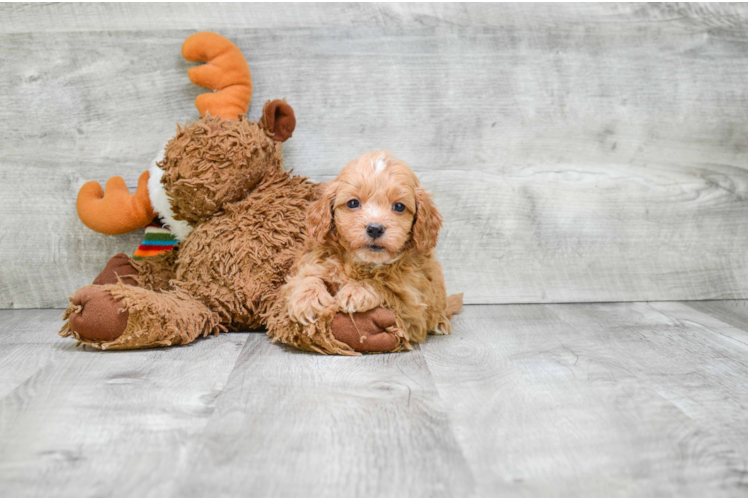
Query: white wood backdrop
<point>577,152</point>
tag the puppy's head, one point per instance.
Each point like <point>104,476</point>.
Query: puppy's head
<point>377,210</point>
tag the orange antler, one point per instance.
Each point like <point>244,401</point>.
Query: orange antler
<point>226,73</point>
<point>115,211</point>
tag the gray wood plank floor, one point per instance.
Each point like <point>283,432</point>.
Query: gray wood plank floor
<point>641,399</point>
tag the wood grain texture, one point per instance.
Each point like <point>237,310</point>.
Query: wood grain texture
<point>25,337</point>
<point>33,18</point>
<point>732,312</point>
<point>692,361</point>
<point>582,400</point>
<point>592,400</point>
<point>710,321</point>
<point>578,153</point>
<point>82,423</point>
<point>294,424</point>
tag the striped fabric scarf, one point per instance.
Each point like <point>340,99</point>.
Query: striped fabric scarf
<point>156,241</point>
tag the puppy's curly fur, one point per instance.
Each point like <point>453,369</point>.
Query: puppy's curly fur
<point>371,241</point>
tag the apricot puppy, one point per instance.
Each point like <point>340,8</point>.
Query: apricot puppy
<point>371,239</point>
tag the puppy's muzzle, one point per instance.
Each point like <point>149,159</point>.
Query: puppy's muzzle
<point>375,231</point>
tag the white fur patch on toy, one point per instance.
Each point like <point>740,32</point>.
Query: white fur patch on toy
<point>161,201</point>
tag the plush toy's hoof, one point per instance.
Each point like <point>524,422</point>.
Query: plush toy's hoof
<point>119,265</point>
<point>97,316</point>
<point>365,332</point>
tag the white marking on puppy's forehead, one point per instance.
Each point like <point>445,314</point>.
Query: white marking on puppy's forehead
<point>380,164</point>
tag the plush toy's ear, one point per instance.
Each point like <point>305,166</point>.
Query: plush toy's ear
<point>319,218</point>
<point>428,222</point>
<point>225,72</point>
<point>278,119</point>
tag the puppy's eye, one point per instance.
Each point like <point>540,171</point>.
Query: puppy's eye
<point>398,207</point>
<point>353,204</point>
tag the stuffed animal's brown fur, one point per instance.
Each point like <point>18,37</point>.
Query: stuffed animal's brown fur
<point>222,190</point>
<point>225,178</point>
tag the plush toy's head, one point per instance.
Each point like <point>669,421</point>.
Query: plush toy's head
<point>212,162</point>
<point>209,163</point>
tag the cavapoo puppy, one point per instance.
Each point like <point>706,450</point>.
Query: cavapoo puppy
<point>371,242</point>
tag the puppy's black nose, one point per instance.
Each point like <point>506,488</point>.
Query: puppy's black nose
<point>374,231</point>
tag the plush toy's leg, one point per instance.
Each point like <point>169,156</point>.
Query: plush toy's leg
<point>371,331</point>
<point>153,273</point>
<point>338,333</point>
<point>119,265</point>
<point>129,317</point>
<point>314,337</point>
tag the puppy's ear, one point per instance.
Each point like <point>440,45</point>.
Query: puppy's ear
<point>278,119</point>
<point>320,216</point>
<point>428,222</point>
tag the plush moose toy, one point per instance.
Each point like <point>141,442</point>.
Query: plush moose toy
<point>221,190</point>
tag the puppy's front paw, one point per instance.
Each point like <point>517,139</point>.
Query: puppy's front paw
<point>357,297</point>
<point>443,328</point>
<point>307,301</point>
